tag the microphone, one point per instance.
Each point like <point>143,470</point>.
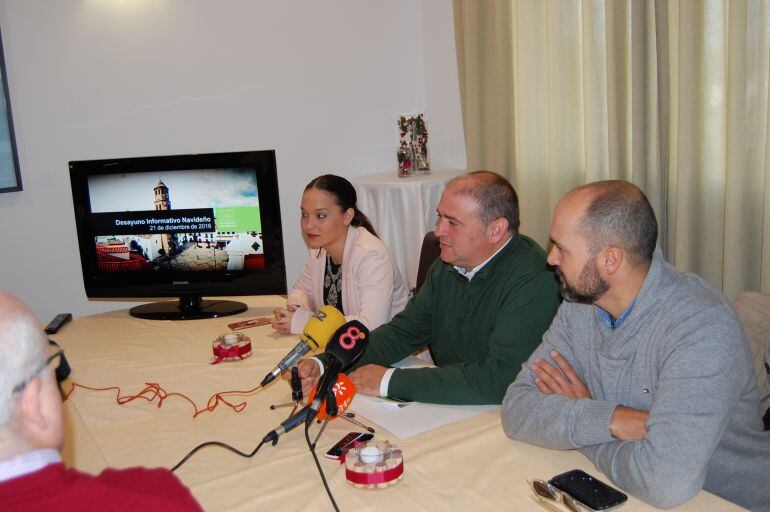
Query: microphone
<point>315,336</point>
<point>346,346</point>
<point>343,389</point>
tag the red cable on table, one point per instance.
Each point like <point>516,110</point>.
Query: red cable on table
<point>154,390</point>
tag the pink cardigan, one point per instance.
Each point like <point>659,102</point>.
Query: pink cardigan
<point>372,288</point>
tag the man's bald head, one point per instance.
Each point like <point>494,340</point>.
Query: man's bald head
<point>22,348</point>
<point>617,213</point>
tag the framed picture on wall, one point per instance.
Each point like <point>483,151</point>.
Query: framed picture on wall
<point>10,177</point>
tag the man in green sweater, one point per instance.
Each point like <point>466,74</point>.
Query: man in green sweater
<point>481,311</point>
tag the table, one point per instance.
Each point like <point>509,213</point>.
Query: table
<point>402,210</point>
<point>469,465</point>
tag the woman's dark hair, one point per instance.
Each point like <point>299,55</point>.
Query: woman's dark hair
<point>345,196</point>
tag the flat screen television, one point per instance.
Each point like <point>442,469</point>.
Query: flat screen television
<point>184,226</point>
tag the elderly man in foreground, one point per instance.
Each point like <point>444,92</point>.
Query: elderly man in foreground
<point>32,476</point>
<point>645,369</point>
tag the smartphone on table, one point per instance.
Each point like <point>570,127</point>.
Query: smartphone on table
<point>588,490</point>
<point>348,441</point>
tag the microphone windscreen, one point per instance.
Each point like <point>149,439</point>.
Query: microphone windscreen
<point>348,343</point>
<point>319,329</point>
<point>343,389</point>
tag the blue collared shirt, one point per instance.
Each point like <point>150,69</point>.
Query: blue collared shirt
<point>614,323</point>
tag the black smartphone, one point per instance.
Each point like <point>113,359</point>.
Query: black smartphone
<point>347,441</point>
<point>588,490</point>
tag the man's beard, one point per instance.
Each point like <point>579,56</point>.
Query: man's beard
<point>590,286</point>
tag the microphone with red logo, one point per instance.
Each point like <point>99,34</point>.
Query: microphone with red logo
<point>343,390</point>
<point>345,347</point>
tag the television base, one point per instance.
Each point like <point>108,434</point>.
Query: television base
<point>188,308</point>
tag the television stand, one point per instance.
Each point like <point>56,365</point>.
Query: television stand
<point>189,307</point>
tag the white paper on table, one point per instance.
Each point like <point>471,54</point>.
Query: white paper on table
<point>417,417</point>
<point>413,362</point>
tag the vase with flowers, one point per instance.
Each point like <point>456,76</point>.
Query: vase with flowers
<point>412,152</point>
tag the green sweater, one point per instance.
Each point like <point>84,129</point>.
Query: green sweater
<point>479,332</point>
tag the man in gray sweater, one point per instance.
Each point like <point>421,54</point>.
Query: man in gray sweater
<point>645,370</point>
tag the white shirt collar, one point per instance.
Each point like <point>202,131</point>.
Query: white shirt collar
<point>27,463</point>
<point>468,274</point>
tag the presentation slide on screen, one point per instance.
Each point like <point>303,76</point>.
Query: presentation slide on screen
<point>183,220</point>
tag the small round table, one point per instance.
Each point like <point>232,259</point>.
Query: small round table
<point>402,210</point>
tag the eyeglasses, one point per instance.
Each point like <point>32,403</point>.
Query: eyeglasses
<point>547,493</point>
<point>62,368</point>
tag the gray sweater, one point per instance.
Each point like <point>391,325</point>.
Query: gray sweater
<point>680,354</point>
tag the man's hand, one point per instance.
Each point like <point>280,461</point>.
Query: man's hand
<point>309,372</point>
<point>281,321</point>
<point>367,379</point>
<point>628,424</point>
<point>560,381</point>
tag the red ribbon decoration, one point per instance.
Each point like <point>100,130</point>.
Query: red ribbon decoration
<point>223,351</point>
<point>375,478</point>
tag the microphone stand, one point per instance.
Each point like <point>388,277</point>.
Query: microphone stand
<point>331,411</point>
<point>331,406</point>
<point>349,416</point>
<point>296,393</point>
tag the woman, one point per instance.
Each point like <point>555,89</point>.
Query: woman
<point>348,267</point>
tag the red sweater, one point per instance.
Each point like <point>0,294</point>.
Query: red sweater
<point>57,488</point>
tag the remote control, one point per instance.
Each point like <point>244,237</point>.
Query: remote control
<point>57,322</point>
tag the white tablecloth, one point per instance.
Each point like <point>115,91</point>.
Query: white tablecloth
<point>467,465</point>
<point>402,210</point>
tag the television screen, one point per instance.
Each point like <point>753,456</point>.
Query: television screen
<point>187,226</point>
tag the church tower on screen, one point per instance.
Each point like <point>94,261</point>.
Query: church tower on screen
<point>163,202</point>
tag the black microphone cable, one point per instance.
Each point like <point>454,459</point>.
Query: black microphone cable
<point>217,443</point>
<point>311,447</point>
